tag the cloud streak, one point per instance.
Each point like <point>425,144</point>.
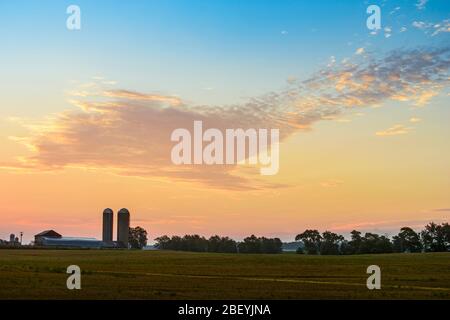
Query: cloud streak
<point>396,130</point>
<point>128,133</point>
<point>421,4</point>
<point>433,29</point>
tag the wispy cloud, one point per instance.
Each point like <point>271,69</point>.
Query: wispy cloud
<point>394,10</point>
<point>360,50</point>
<point>433,29</point>
<point>127,132</point>
<point>421,25</point>
<point>421,4</point>
<point>442,27</point>
<point>131,95</point>
<point>387,32</point>
<point>331,183</point>
<point>393,131</point>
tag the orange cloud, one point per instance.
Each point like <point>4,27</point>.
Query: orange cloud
<point>130,95</point>
<point>128,133</point>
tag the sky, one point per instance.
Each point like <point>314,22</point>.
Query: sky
<point>86,115</point>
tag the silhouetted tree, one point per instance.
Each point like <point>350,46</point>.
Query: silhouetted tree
<point>137,237</point>
<point>354,245</point>
<point>374,243</point>
<point>195,243</point>
<point>407,241</point>
<point>250,245</point>
<point>345,248</point>
<point>222,244</point>
<point>254,244</point>
<point>163,243</point>
<point>446,234</point>
<point>330,243</point>
<point>436,238</point>
<point>311,240</point>
<point>271,245</point>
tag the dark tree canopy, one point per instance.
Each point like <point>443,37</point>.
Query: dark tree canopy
<point>433,238</point>
<point>436,238</point>
<point>330,243</point>
<point>196,243</point>
<point>311,239</point>
<point>254,244</point>
<point>407,241</point>
<point>137,237</point>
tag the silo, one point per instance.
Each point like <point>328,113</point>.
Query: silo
<point>108,222</point>
<point>12,238</point>
<point>123,225</point>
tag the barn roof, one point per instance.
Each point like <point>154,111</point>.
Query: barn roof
<point>49,233</point>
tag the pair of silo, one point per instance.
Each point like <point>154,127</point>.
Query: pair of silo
<point>123,226</point>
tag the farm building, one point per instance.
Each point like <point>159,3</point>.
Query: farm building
<point>51,238</point>
<point>49,234</point>
<point>69,242</point>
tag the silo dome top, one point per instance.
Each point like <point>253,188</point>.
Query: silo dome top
<point>107,210</point>
<point>124,211</point>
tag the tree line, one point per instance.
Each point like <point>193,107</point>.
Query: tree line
<point>433,238</point>
<point>216,243</point>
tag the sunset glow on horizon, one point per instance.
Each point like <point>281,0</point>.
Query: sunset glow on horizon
<point>87,116</point>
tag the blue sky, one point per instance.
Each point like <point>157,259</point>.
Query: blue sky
<point>206,51</point>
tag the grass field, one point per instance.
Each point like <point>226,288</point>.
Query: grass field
<point>41,274</point>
